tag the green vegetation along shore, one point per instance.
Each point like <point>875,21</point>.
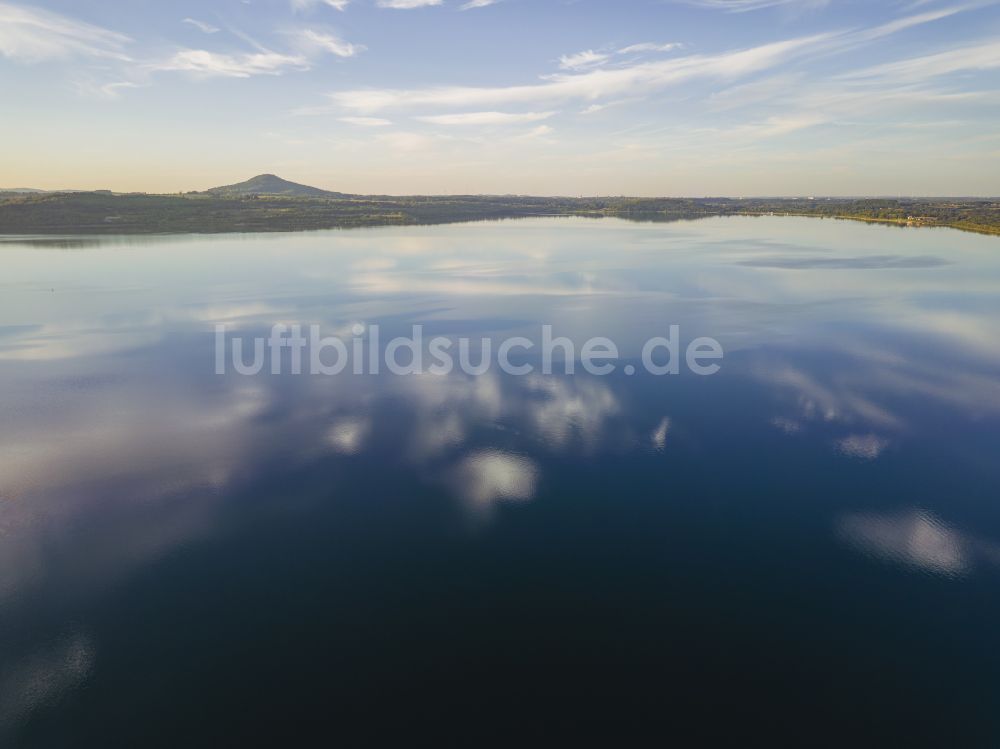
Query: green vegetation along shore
<point>268,203</point>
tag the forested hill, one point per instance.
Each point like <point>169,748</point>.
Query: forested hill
<point>270,184</point>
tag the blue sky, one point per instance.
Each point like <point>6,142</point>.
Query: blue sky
<point>642,97</point>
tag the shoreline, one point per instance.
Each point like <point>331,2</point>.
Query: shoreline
<point>103,213</point>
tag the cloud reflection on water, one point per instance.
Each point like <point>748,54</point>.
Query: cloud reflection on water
<point>40,679</point>
<point>109,402</point>
<point>917,539</point>
<point>490,475</point>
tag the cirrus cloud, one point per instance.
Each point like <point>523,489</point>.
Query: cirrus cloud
<point>34,35</point>
<point>366,121</point>
<point>581,60</point>
<point>340,5</point>
<point>201,62</point>
<point>407,4</point>
<point>485,118</point>
<point>591,85</point>
<point>205,28</point>
<point>743,6</point>
<point>318,40</point>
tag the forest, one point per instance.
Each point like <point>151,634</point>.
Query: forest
<point>207,212</point>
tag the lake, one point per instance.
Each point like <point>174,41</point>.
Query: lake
<point>804,545</point>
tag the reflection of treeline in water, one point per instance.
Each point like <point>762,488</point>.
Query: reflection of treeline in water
<point>105,212</point>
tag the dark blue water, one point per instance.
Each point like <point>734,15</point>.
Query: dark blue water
<point>804,547</point>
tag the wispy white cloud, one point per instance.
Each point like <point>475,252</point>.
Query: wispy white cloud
<point>779,125</point>
<point>206,28</point>
<point>407,4</point>
<point>583,60</point>
<point>757,91</point>
<point>485,118</point>
<point>366,121</point>
<point>201,62</point>
<point>909,22</point>
<point>592,85</point>
<point>742,6</point>
<point>537,132</point>
<point>472,4</point>
<point>96,90</point>
<point>649,47</point>
<point>34,35</point>
<point>977,57</point>
<point>329,43</point>
<point>585,79</point>
<point>340,5</point>
<point>595,108</point>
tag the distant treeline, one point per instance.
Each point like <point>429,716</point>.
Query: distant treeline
<point>104,212</point>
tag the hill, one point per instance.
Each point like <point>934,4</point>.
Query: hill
<point>270,184</point>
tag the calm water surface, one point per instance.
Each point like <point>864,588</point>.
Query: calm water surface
<point>805,545</point>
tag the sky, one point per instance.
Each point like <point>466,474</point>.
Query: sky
<point>545,97</point>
